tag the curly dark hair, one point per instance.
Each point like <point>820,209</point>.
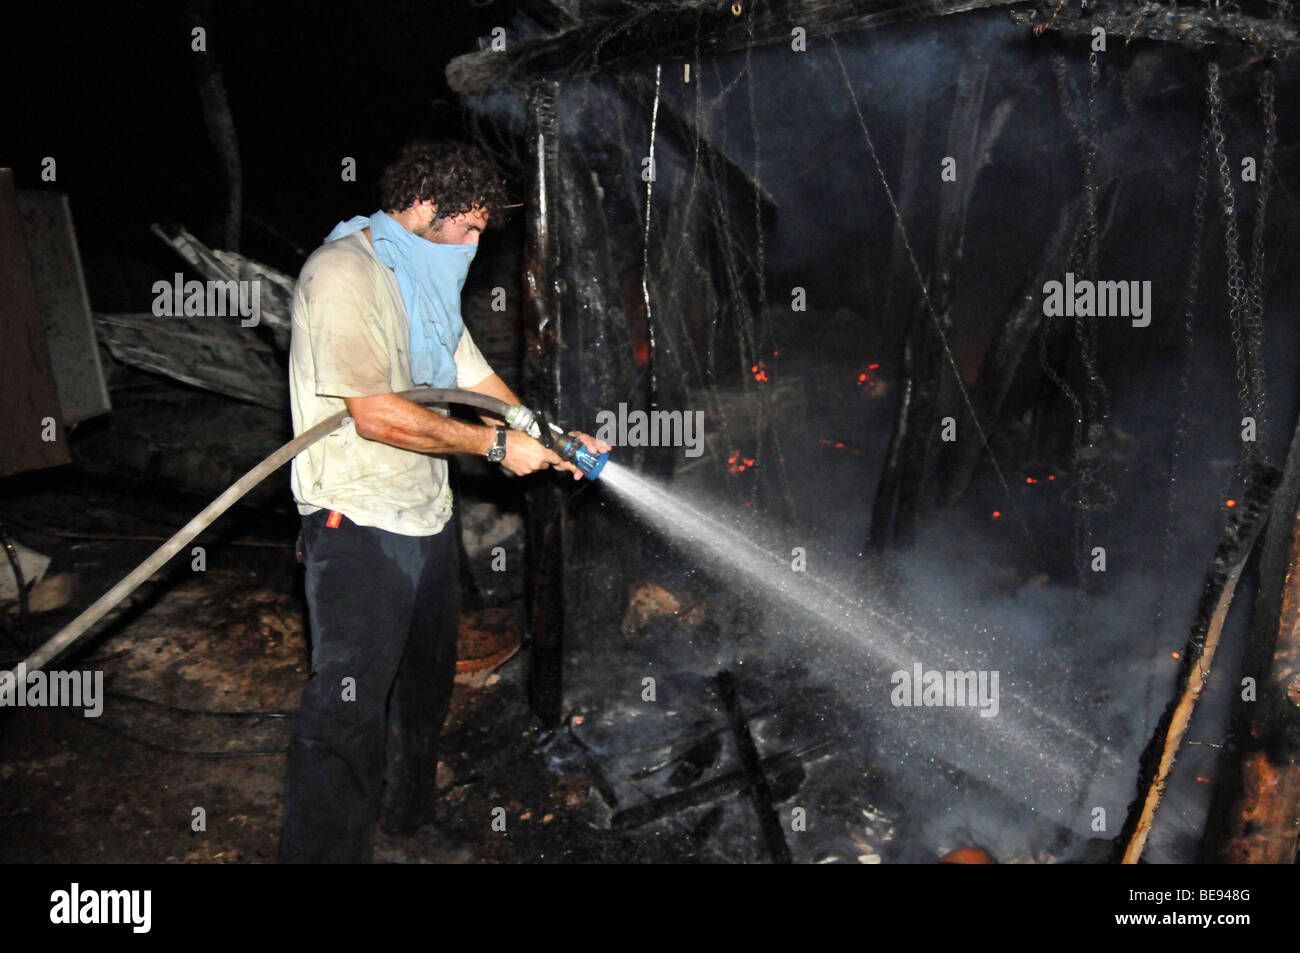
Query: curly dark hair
<point>456,176</point>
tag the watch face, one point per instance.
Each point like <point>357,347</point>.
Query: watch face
<point>496,454</point>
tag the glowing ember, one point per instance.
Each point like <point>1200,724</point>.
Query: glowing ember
<point>1175,655</point>
<point>1232,503</point>
<point>759,371</point>
<point>997,514</point>
<point>738,464</point>
<point>870,385</point>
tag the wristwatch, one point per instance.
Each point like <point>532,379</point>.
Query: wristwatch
<point>497,452</point>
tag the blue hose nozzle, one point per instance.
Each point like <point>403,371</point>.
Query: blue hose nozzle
<point>576,453</point>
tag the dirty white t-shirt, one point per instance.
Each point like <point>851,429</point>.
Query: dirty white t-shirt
<point>351,339</point>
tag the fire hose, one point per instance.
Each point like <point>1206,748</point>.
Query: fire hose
<point>516,417</point>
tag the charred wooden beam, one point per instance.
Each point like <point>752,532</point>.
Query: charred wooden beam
<point>928,370</point>
<point>1243,528</point>
<point>899,277</point>
<point>926,360</point>
<point>1255,816</point>
<point>596,361</point>
<point>760,792</point>
<point>1185,25</point>
<point>592,769</point>
<point>885,506</point>
<point>734,782</point>
<point>542,390</point>
<point>958,460</point>
<point>596,350</point>
<point>577,360</point>
<point>221,124</point>
<point>665,32</point>
<point>933,320</point>
<point>971,151</point>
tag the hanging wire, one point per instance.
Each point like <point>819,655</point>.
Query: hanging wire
<point>679,256</point>
<point>645,248</point>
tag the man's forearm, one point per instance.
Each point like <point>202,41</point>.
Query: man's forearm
<point>494,386</point>
<point>399,422</point>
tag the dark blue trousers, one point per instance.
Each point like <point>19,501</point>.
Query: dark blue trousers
<point>384,611</point>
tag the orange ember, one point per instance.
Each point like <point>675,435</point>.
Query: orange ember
<point>738,464</point>
<point>967,855</point>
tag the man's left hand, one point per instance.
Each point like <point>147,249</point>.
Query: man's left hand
<point>592,444</point>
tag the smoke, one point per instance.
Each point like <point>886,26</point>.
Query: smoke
<point>1005,580</point>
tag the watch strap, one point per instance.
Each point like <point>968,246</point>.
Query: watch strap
<point>497,452</point>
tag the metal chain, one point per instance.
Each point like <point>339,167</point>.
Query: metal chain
<point>1087,493</point>
<point>1236,279</point>
<point>1061,71</point>
<point>1101,405</point>
<point>1254,318</point>
<point>1090,493</point>
<point>1090,165</point>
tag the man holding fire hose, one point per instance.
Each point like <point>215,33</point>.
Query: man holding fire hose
<point>376,312</point>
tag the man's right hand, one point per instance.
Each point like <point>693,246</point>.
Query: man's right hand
<point>525,455</point>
